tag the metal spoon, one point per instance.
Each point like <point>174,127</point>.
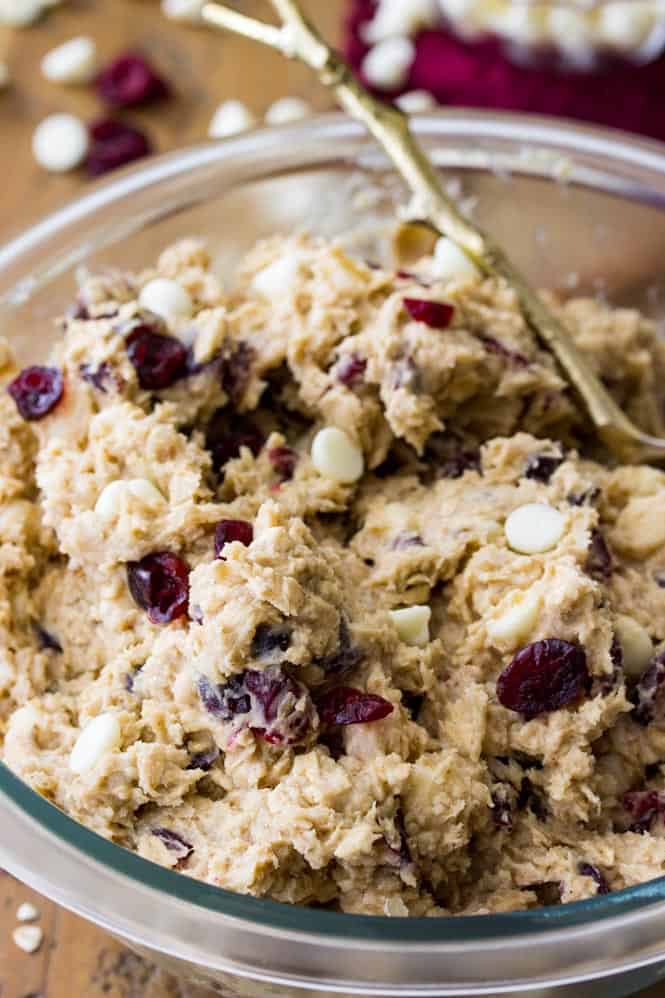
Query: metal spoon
<point>296,38</point>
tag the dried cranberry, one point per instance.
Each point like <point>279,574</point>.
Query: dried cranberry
<point>501,350</point>
<point>271,704</point>
<point>99,377</point>
<point>114,144</point>
<point>647,691</point>
<point>644,806</point>
<point>159,584</point>
<point>350,369</point>
<point>204,760</point>
<point>436,314</point>
<point>542,677</point>
<point>174,843</point>
<point>227,531</point>
<point>589,870</point>
<point>502,807</point>
<point>47,641</point>
<point>599,560</point>
<point>284,461</point>
<point>345,705</point>
<point>269,641</point>
<point>130,80</point>
<point>541,467</point>
<point>235,368</point>
<point>407,539</point>
<point>159,360</point>
<point>36,391</point>
<point>346,657</point>
<point>225,442</point>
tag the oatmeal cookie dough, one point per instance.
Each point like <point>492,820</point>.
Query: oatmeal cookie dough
<point>311,588</point>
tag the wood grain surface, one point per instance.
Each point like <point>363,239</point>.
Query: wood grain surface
<point>76,960</point>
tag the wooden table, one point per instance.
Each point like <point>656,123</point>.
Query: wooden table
<point>77,960</point>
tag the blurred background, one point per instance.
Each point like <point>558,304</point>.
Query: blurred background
<point>87,86</point>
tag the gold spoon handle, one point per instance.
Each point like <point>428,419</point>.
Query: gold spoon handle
<point>297,38</point>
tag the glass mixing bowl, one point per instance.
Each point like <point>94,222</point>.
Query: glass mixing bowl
<point>579,209</point>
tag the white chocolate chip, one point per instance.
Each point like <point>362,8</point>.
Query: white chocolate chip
<point>277,278</point>
<point>20,13</point>
<point>183,10</point>
<point>387,65</point>
<point>143,489</point>
<point>334,455</point>
<point>625,25</point>
<point>416,101</point>
<point>521,23</point>
<point>75,61</point>
<point>28,938</point>
<point>60,143</point>
<point>636,645</point>
<point>570,31</point>
<point>534,528</point>
<point>450,263</point>
<point>27,912</point>
<point>287,109</point>
<point>412,623</point>
<point>399,17</point>
<point>516,618</point>
<point>99,737</point>
<point>110,499</point>
<point>166,298</point>
<point>5,78</point>
<point>230,118</point>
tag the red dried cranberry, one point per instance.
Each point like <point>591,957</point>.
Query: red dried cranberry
<point>130,80</point>
<point>114,144</point>
<point>647,693</point>
<point>644,806</point>
<point>541,467</point>
<point>174,843</point>
<point>159,360</point>
<point>36,391</point>
<point>542,677</point>
<point>501,350</point>
<point>589,870</point>
<point>346,657</point>
<point>47,641</point>
<point>599,560</point>
<point>159,584</point>
<point>436,314</point>
<point>235,368</point>
<point>269,641</point>
<point>284,461</point>
<point>232,530</point>
<point>270,703</point>
<point>224,441</point>
<point>345,705</point>
<point>350,369</point>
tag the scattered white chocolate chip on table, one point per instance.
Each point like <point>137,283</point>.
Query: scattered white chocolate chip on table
<point>230,118</point>
<point>73,62</point>
<point>412,623</point>
<point>60,143</point>
<point>636,645</point>
<point>183,10</point>
<point>27,912</point>
<point>28,938</point>
<point>387,65</point>
<point>20,13</point>
<point>516,618</point>
<point>167,299</point>
<point>99,737</point>
<point>534,528</point>
<point>335,456</point>
<point>287,109</point>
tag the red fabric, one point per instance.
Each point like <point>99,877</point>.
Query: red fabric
<point>477,74</point>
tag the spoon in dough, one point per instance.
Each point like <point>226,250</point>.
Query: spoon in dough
<point>296,38</point>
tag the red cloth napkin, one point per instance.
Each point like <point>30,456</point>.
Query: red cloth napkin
<point>477,74</point>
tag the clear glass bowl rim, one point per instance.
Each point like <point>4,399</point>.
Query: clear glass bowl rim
<point>112,860</point>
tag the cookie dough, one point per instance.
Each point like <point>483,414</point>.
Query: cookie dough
<point>315,588</point>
